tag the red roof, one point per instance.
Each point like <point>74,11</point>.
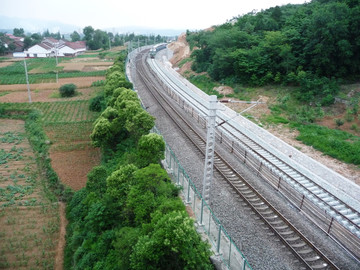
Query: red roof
<point>76,45</point>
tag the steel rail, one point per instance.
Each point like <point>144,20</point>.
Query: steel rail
<point>299,245</point>
<point>331,204</point>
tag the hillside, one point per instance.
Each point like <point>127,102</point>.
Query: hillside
<point>181,53</point>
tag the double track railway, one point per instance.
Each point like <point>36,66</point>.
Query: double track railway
<point>310,256</point>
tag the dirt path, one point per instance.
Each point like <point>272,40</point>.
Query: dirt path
<point>59,259</point>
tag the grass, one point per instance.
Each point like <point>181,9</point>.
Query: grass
<point>205,84</point>
<point>69,136</point>
<point>335,143</point>
<point>287,110</point>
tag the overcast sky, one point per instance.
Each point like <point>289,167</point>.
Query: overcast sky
<point>163,14</point>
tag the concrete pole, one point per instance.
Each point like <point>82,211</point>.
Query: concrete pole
<point>210,150</point>
<point>27,81</point>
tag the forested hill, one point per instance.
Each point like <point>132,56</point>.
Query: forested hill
<point>314,45</point>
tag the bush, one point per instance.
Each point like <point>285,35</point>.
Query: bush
<point>67,90</point>
<point>98,83</point>
<point>354,127</point>
<point>339,122</point>
<point>97,104</point>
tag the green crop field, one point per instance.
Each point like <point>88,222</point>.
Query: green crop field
<point>58,112</point>
<point>44,71</point>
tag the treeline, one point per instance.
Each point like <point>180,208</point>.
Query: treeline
<point>95,39</point>
<point>129,215</point>
<point>313,46</point>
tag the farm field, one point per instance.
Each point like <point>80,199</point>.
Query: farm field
<point>29,219</point>
<point>32,220</point>
<point>43,70</point>
<point>81,82</point>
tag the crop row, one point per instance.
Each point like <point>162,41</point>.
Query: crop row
<point>19,78</point>
<point>57,112</point>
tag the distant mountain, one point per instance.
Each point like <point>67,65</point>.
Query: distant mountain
<point>7,24</point>
<point>138,30</point>
<point>35,25</point>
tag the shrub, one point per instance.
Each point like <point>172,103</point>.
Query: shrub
<point>349,117</point>
<point>97,104</point>
<point>67,90</point>
<point>98,83</point>
<point>339,122</point>
<point>354,127</point>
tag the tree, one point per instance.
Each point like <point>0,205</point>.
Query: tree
<point>119,182</point>
<point>2,46</point>
<point>11,47</point>
<point>46,33</point>
<point>151,148</point>
<point>173,244</point>
<point>75,36</point>
<point>27,43</point>
<point>101,133</point>
<point>36,38</point>
<point>88,31</point>
<point>97,180</point>
<point>67,90</point>
<point>18,32</point>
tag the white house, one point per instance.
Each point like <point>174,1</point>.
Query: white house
<point>51,47</point>
<point>72,48</point>
<point>39,50</point>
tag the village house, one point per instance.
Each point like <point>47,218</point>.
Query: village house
<point>51,47</point>
<point>17,43</point>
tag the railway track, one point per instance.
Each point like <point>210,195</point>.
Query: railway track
<point>310,256</point>
<point>336,213</point>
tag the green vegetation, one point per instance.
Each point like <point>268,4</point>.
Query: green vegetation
<point>295,54</point>
<point>38,138</point>
<point>311,46</point>
<point>129,216</point>
<point>202,82</point>
<point>335,143</point>
<point>67,90</point>
<point>29,191</point>
<point>15,73</point>
<point>57,112</point>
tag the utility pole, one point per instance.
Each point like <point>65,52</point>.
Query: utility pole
<point>210,150</point>
<point>56,55</point>
<point>27,81</point>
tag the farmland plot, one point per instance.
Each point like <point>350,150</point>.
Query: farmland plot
<point>80,82</point>
<point>71,148</point>
<point>29,219</point>
<point>59,112</point>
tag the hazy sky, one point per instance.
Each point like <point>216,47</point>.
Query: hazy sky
<point>182,14</point>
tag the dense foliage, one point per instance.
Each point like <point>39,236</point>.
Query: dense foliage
<point>67,90</point>
<point>310,45</point>
<point>129,215</point>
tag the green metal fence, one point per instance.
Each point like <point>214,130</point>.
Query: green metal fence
<point>221,242</point>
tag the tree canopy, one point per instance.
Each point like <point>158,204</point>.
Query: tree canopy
<point>291,44</point>
<point>129,215</point>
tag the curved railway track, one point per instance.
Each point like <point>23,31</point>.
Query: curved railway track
<point>330,213</point>
<point>333,206</point>
<point>299,245</point>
